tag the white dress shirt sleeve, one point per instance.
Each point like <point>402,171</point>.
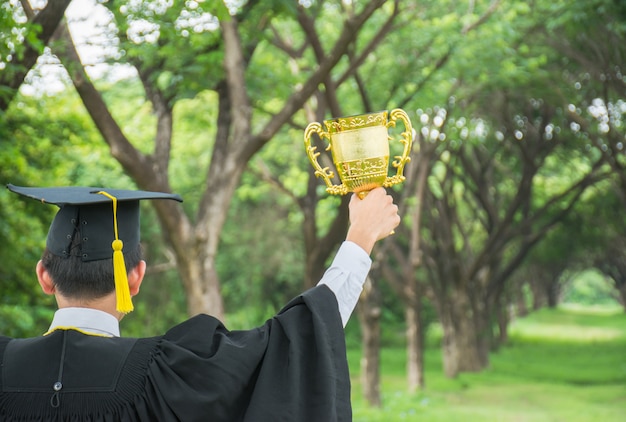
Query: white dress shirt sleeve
<point>346,276</point>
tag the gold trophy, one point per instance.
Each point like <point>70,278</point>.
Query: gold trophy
<point>360,150</point>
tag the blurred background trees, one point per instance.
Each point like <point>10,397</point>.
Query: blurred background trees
<point>517,181</point>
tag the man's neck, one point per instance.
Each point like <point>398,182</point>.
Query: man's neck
<point>105,304</point>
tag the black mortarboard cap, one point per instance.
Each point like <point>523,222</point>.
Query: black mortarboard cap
<point>101,216</point>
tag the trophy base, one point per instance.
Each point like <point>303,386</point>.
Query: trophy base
<point>364,174</point>
<point>366,187</point>
<point>361,190</point>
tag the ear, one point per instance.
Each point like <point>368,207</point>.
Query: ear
<point>135,277</point>
<point>45,280</point>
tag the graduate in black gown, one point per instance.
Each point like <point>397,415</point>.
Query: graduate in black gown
<point>293,368</point>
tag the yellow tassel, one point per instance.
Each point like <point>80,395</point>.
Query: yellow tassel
<point>122,290</point>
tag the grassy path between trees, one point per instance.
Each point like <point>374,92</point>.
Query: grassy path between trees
<point>567,364</point>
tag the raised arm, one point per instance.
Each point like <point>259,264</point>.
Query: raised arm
<point>371,219</point>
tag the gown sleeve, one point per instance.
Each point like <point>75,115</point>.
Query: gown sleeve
<point>293,368</point>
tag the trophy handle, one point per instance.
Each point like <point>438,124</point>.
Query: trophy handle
<point>311,151</point>
<point>407,139</point>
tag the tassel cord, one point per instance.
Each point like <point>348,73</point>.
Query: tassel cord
<point>55,400</point>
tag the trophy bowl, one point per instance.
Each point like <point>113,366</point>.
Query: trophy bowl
<point>360,150</point>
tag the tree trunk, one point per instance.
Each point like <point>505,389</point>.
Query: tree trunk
<point>540,295</point>
<point>553,291</point>
<point>622,295</point>
<point>202,285</point>
<point>415,345</point>
<point>369,311</point>
<point>519,299</point>
<point>503,326</point>
<point>503,312</point>
<point>463,345</point>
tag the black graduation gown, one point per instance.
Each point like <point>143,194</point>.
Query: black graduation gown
<point>293,368</point>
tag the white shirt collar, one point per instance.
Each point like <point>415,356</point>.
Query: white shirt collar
<point>89,320</point>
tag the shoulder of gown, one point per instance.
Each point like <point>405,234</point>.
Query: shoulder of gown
<point>293,367</point>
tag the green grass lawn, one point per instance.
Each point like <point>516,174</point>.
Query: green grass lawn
<point>567,364</point>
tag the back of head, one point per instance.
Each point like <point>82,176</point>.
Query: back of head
<point>78,279</point>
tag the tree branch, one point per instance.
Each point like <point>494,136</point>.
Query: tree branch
<point>48,19</point>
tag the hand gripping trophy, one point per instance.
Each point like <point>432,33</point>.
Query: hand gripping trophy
<point>360,150</point>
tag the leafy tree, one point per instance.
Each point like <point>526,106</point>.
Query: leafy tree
<point>485,214</point>
<point>590,37</point>
<point>39,149</point>
<point>189,48</point>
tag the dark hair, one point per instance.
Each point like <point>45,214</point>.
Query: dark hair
<point>76,279</point>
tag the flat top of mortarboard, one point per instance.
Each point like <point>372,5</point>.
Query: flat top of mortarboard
<point>83,195</point>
